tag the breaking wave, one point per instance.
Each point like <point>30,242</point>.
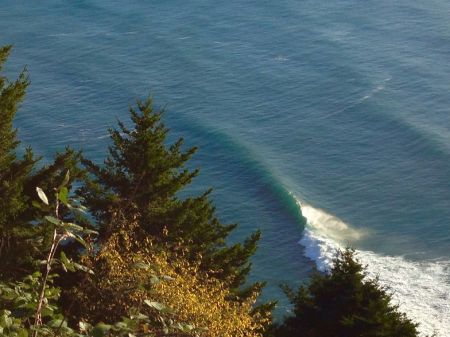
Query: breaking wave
<point>421,289</point>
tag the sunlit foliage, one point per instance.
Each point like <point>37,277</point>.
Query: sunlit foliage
<point>131,273</point>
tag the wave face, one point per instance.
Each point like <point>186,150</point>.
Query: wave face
<point>420,289</point>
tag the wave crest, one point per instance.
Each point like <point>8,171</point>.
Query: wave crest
<point>329,226</point>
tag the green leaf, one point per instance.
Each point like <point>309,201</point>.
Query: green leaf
<point>89,231</point>
<point>66,179</point>
<point>36,204</point>
<point>184,327</point>
<point>22,333</point>
<point>58,322</point>
<point>53,220</point>
<point>101,330</point>
<point>47,312</point>
<point>139,316</point>
<point>63,195</point>
<point>66,263</point>
<point>72,226</point>
<point>77,208</point>
<point>155,305</point>
<point>82,268</point>
<point>141,265</point>
<point>154,280</point>
<point>82,208</point>
<point>79,239</point>
<point>42,195</point>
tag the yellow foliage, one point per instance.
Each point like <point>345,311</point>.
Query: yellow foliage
<point>126,273</point>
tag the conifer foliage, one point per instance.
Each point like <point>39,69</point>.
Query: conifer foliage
<point>15,176</point>
<point>20,240</point>
<point>144,174</point>
<point>14,172</point>
<point>344,303</point>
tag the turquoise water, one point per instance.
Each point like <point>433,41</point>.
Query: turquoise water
<point>341,107</point>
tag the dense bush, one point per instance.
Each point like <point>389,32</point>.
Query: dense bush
<point>131,273</point>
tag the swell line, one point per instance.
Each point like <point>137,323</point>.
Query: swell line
<point>222,142</point>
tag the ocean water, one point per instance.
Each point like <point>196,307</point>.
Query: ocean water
<point>334,112</point>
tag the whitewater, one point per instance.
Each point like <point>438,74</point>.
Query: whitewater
<point>420,289</point>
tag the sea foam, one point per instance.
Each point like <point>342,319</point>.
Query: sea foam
<point>420,289</point>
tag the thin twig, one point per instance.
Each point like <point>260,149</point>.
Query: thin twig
<point>51,255</point>
<point>38,315</point>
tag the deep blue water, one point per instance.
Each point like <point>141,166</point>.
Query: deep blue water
<point>343,105</point>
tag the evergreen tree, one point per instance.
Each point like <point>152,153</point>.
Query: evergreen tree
<point>21,241</point>
<point>14,172</point>
<point>142,177</point>
<point>344,303</point>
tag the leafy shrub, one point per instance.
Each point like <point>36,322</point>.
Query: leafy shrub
<point>130,273</point>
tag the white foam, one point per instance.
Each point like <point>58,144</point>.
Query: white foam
<point>330,226</point>
<point>421,289</point>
